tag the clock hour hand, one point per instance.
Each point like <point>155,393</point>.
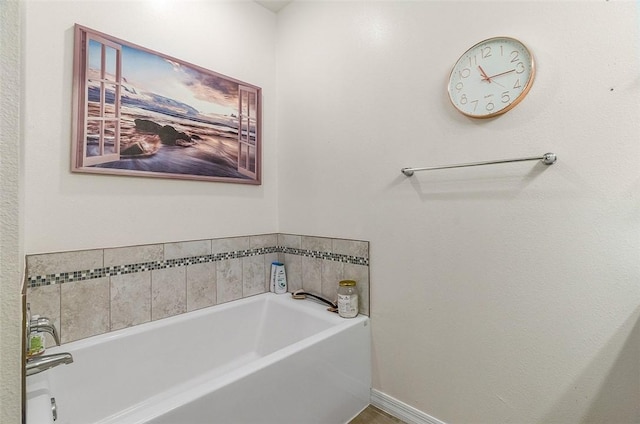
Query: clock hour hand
<point>484,74</point>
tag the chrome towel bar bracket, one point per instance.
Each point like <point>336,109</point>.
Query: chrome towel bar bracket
<point>547,159</point>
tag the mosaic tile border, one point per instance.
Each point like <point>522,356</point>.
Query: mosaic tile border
<point>337,257</point>
<point>72,276</point>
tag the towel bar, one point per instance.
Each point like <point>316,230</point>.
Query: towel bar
<point>547,159</point>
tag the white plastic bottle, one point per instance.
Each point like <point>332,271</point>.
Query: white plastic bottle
<point>272,277</point>
<point>278,278</point>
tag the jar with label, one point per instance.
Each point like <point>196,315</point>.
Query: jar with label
<point>347,299</point>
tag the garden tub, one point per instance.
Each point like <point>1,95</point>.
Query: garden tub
<point>264,359</point>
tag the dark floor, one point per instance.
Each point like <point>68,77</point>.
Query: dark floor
<point>373,415</point>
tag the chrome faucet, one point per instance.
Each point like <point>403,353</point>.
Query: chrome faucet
<point>41,363</point>
<point>44,325</point>
<point>41,324</point>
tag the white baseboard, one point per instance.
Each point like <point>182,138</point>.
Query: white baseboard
<point>401,410</point>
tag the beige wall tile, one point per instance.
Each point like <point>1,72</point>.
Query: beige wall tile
<point>229,280</point>
<point>130,299</point>
<point>320,244</point>
<point>84,310</point>
<point>332,272</point>
<point>168,292</point>
<point>312,275</point>
<point>290,240</point>
<point>53,263</point>
<point>356,248</point>
<point>263,240</point>
<point>293,265</point>
<point>186,249</point>
<point>45,301</point>
<point>230,244</point>
<point>253,276</point>
<point>201,285</point>
<point>133,254</point>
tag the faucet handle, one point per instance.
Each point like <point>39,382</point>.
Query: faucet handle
<point>38,323</point>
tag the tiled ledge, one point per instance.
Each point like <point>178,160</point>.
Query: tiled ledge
<point>71,276</point>
<point>89,274</point>
<point>91,292</point>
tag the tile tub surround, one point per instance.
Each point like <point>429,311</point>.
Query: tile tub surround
<point>317,264</point>
<point>90,292</point>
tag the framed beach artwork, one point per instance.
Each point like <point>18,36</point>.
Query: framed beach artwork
<point>138,112</point>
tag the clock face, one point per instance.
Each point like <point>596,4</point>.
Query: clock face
<point>491,77</point>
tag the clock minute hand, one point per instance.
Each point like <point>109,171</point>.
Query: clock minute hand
<point>501,73</point>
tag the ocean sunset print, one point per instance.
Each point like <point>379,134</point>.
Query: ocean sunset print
<point>142,113</point>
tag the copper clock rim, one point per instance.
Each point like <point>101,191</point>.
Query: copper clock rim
<point>518,99</point>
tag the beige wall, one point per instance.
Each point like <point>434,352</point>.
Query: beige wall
<point>498,294</point>
<point>10,200</point>
<point>232,38</point>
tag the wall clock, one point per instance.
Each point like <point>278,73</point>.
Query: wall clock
<point>491,77</point>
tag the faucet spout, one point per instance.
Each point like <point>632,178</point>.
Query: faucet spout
<point>38,364</point>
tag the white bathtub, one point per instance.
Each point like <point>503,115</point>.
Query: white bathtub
<point>264,359</point>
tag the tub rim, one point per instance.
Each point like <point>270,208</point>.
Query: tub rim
<point>310,307</point>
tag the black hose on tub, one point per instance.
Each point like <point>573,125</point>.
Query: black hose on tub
<point>301,294</point>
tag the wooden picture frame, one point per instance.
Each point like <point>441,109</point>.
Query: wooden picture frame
<point>138,112</point>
